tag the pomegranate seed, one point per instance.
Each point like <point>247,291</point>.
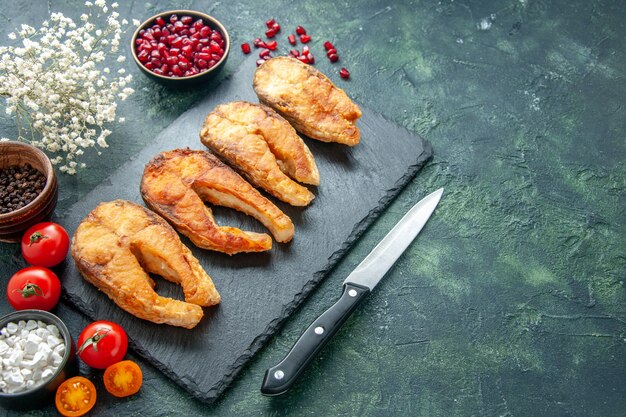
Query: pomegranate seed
<point>305,50</point>
<point>173,19</point>
<point>165,33</point>
<point>328,46</point>
<point>270,33</point>
<point>302,58</point>
<point>259,62</point>
<point>215,47</point>
<point>265,53</point>
<point>216,36</point>
<point>187,50</point>
<point>258,43</point>
<point>198,24</point>
<point>294,53</point>
<point>333,57</point>
<point>159,21</point>
<point>310,58</point>
<point>270,23</point>
<point>177,42</point>
<point>179,26</point>
<point>344,73</point>
<point>143,56</point>
<point>272,45</point>
<point>171,60</point>
<point>201,63</point>
<point>300,30</point>
<point>305,38</point>
<point>212,63</point>
<point>276,27</point>
<point>245,48</point>
<point>205,32</point>
<point>149,65</point>
<point>186,20</point>
<point>158,71</point>
<point>204,56</point>
<point>331,51</point>
<point>292,39</point>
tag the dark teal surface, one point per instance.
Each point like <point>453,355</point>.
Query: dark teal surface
<point>512,300</point>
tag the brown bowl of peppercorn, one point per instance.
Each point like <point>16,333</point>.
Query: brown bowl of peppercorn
<point>28,189</point>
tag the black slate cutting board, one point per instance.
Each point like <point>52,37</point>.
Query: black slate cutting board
<point>259,291</point>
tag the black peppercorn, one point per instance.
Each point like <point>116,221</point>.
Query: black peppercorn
<point>19,185</point>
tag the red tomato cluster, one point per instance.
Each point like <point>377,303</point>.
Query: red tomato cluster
<point>44,245</point>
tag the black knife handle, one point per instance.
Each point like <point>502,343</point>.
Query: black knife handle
<point>280,378</point>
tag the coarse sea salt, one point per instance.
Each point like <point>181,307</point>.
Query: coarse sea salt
<point>30,354</point>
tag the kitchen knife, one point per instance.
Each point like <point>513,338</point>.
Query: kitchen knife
<point>357,285</point>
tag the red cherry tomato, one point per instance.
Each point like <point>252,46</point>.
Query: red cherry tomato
<point>102,343</point>
<point>45,244</point>
<point>34,287</point>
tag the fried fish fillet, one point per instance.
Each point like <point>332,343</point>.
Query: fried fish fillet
<point>308,100</point>
<point>119,243</point>
<point>175,183</point>
<point>264,148</point>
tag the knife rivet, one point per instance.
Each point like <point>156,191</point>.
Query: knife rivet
<point>352,293</point>
<point>319,330</point>
<point>279,374</point>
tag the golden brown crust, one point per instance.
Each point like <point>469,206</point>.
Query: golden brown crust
<point>116,246</point>
<point>263,147</point>
<point>308,100</point>
<point>175,183</point>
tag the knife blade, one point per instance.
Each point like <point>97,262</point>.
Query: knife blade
<point>279,378</point>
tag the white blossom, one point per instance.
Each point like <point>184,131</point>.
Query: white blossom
<point>53,86</point>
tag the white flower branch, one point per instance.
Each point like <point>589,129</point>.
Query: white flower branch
<point>56,86</point>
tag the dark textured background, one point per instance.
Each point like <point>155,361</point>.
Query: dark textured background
<point>513,301</point>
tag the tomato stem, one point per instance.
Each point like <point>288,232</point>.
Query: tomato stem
<point>93,340</point>
<point>36,237</point>
<point>29,290</point>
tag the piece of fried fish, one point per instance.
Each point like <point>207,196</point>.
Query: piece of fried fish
<point>308,100</point>
<point>264,148</point>
<point>175,184</point>
<point>119,243</point>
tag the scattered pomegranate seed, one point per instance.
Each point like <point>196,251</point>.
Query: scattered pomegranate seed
<point>265,53</point>
<point>328,46</point>
<point>180,46</point>
<point>344,73</point>
<point>333,57</point>
<point>272,45</point>
<point>305,38</point>
<point>300,30</point>
<point>270,33</point>
<point>331,51</point>
<point>310,58</point>
<point>270,23</point>
<point>259,62</point>
<point>258,43</point>
<point>245,47</point>
<point>276,27</point>
<point>305,50</point>
<point>292,39</point>
<point>302,58</point>
<point>294,53</point>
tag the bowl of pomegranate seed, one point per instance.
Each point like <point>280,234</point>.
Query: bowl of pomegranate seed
<point>180,47</point>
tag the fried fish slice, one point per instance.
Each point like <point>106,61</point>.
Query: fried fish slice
<point>119,243</point>
<point>263,147</point>
<point>175,183</point>
<point>308,100</point>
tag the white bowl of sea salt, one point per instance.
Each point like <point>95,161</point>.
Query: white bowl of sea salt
<point>36,356</point>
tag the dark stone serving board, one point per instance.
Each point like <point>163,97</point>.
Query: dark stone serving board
<point>259,291</point>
